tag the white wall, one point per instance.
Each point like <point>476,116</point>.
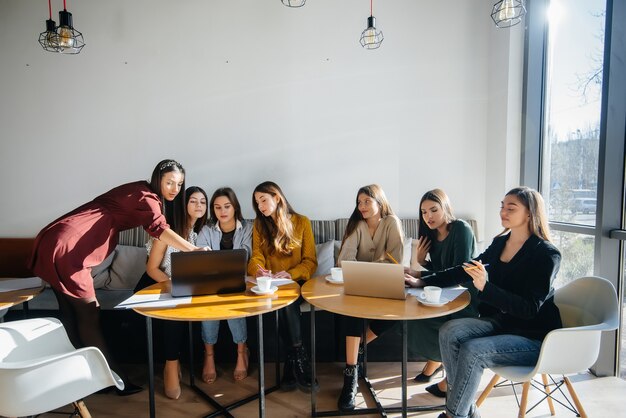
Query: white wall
<point>249,90</point>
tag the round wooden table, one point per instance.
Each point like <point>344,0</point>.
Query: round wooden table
<point>15,297</point>
<point>330,297</point>
<point>218,307</point>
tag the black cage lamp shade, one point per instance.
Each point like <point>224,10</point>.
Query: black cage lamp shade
<point>371,38</point>
<point>70,40</point>
<point>507,13</point>
<point>294,3</point>
<point>49,39</point>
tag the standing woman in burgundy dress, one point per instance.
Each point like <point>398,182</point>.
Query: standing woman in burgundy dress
<point>67,249</point>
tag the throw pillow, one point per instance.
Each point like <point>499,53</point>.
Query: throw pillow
<point>128,266</point>
<point>325,259</point>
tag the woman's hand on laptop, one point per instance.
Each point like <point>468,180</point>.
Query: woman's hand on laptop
<point>411,281</point>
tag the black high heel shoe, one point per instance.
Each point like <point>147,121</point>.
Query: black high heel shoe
<point>434,390</point>
<point>129,389</point>
<point>423,378</point>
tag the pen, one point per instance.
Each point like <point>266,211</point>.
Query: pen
<point>475,267</point>
<point>392,259</point>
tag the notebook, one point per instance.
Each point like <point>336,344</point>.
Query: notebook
<point>197,273</point>
<point>377,280</point>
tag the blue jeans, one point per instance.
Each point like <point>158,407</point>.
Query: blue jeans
<point>471,345</point>
<point>238,328</point>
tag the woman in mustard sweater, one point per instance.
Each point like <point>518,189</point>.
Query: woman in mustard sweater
<point>283,247</point>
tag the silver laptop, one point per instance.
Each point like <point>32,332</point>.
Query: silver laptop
<point>196,273</point>
<point>377,280</point>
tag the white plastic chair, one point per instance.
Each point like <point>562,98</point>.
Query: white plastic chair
<point>588,307</point>
<point>40,370</point>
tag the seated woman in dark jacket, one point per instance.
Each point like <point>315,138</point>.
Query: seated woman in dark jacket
<point>514,279</point>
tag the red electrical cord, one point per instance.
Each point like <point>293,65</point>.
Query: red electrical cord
<point>371,8</point>
<point>64,8</point>
<point>50,8</point>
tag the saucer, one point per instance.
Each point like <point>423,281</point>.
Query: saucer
<point>441,302</point>
<point>256,290</point>
<point>330,280</point>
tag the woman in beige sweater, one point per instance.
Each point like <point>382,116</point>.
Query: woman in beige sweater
<point>373,234</point>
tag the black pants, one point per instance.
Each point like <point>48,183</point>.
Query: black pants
<point>173,331</point>
<point>354,326</point>
<point>289,324</point>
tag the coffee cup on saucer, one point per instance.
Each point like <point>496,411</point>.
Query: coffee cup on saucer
<point>431,294</point>
<point>264,284</point>
<point>337,274</point>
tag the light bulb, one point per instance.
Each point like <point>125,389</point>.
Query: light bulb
<point>370,36</point>
<point>66,37</point>
<point>507,11</point>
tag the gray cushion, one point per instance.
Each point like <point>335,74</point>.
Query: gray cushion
<point>325,258</point>
<point>127,267</point>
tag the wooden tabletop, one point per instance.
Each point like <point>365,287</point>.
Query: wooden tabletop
<point>329,297</point>
<point>15,297</point>
<point>219,307</point>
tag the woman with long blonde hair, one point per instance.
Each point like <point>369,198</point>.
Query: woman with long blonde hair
<point>283,247</point>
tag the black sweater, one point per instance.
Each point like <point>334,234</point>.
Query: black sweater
<point>519,294</point>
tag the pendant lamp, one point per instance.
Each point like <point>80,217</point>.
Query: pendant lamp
<point>371,38</point>
<point>507,13</point>
<point>48,39</point>
<point>70,40</point>
<point>294,3</point>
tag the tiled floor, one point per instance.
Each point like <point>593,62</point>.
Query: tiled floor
<point>602,397</point>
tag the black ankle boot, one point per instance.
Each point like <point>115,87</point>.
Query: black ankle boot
<point>350,385</point>
<point>302,369</point>
<point>359,361</point>
<point>288,382</point>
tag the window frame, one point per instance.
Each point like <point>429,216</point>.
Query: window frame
<point>608,260</point>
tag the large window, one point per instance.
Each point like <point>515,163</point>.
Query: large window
<point>571,130</point>
<point>574,132</point>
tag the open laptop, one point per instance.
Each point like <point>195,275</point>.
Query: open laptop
<point>197,273</point>
<point>377,280</point>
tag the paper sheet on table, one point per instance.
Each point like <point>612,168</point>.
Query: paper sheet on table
<point>18,284</point>
<point>449,293</point>
<point>275,282</point>
<point>157,300</point>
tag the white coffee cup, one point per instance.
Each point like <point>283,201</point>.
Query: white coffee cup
<point>336,273</point>
<point>264,283</point>
<point>431,294</point>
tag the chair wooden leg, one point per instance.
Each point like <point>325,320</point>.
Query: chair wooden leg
<point>546,387</point>
<point>487,390</point>
<point>572,393</point>
<point>82,409</point>
<point>524,401</point>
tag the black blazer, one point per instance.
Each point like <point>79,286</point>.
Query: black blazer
<point>518,294</point>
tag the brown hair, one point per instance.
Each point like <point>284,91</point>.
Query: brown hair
<point>200,222</point>
<point>278,234</point>
<point>533,201</point>
<point>440,197</point>
<point>375,192</point>
<point>175,211</point>
<point>228,193</point>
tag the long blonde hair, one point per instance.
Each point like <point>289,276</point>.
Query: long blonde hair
<point>278,234</point>
<point>533,201</point>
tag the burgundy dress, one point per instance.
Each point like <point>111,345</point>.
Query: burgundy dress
<point>65,251</point>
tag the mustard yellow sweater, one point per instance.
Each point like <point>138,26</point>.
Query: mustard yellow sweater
<point>302,262</point>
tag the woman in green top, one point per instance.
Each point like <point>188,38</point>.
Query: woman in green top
<point>449,242</point>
